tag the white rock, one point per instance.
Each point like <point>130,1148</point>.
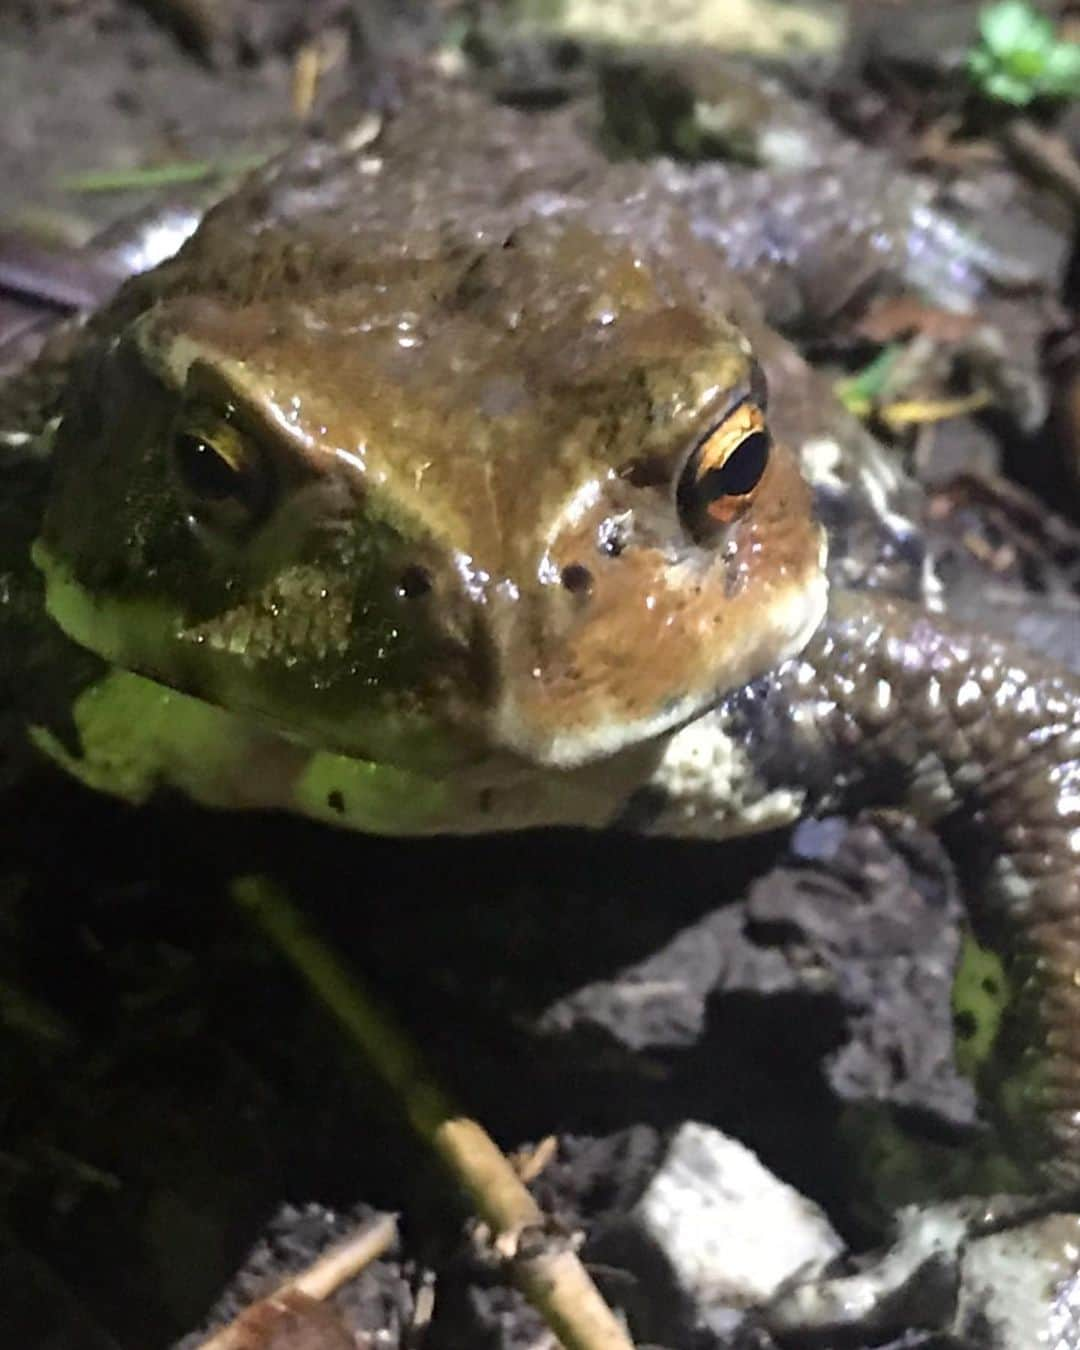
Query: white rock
<point>731,1231</point>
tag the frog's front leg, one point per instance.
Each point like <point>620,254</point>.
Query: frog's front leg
<point>892,705</point>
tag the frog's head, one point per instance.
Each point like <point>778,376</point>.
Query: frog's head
<point>522,498</point>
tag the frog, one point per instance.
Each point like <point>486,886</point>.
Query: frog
<point>453,479</point>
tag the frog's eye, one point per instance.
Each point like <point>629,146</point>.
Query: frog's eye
<point>721,476</point>
<point>222,471</point>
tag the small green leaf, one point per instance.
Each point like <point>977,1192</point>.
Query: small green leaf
<point>1025,63</point>
<point>1013,25</point>
<point>1061,74</point>
<point>869,384</point>
<point>1020,58</point>
<point>1007,89</point>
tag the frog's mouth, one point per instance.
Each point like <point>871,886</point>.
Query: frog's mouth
<point>132,633</point>
<point>564,696</point>
<point>626,707</point>
<point>137,734</point>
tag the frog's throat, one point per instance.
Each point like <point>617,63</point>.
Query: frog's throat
<point>137,737</point>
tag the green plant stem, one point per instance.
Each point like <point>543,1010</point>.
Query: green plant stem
<point>542,1264</point>
<point>158,176</point>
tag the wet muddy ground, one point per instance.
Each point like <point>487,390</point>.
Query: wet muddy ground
<point>168,1086</point>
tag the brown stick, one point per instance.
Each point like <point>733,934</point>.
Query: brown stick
<point>335,1267</point>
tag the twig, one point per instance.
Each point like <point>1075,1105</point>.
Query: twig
<point>339,1264</point>
<point>530,1163</point>
<point>306,73</point>
<point>926,411</point>
<point>542,1264</point>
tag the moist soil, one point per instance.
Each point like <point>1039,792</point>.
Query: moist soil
<point>172,1103</point>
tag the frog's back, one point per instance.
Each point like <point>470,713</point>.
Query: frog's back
<point>446,171</point>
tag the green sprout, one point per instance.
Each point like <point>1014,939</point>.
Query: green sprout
<point>1020,57</point>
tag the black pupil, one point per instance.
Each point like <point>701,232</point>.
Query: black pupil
<point>741,471</point>
<point>206,473</point>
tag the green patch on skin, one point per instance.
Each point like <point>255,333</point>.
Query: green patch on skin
<point>105,628</point>
<point>1020,1090</point>
<point>137,736</point>
<point>992,1017</point>
<point>146,635</point>
<point>375,798</point>
<point>980,995</point>
<point>997,1027</point>
<point>894,1167</point>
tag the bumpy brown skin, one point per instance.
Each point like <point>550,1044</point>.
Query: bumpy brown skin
<point>891,704</point>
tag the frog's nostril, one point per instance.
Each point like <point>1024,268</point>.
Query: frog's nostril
<point>413,583</point>
<point>576,578</point>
